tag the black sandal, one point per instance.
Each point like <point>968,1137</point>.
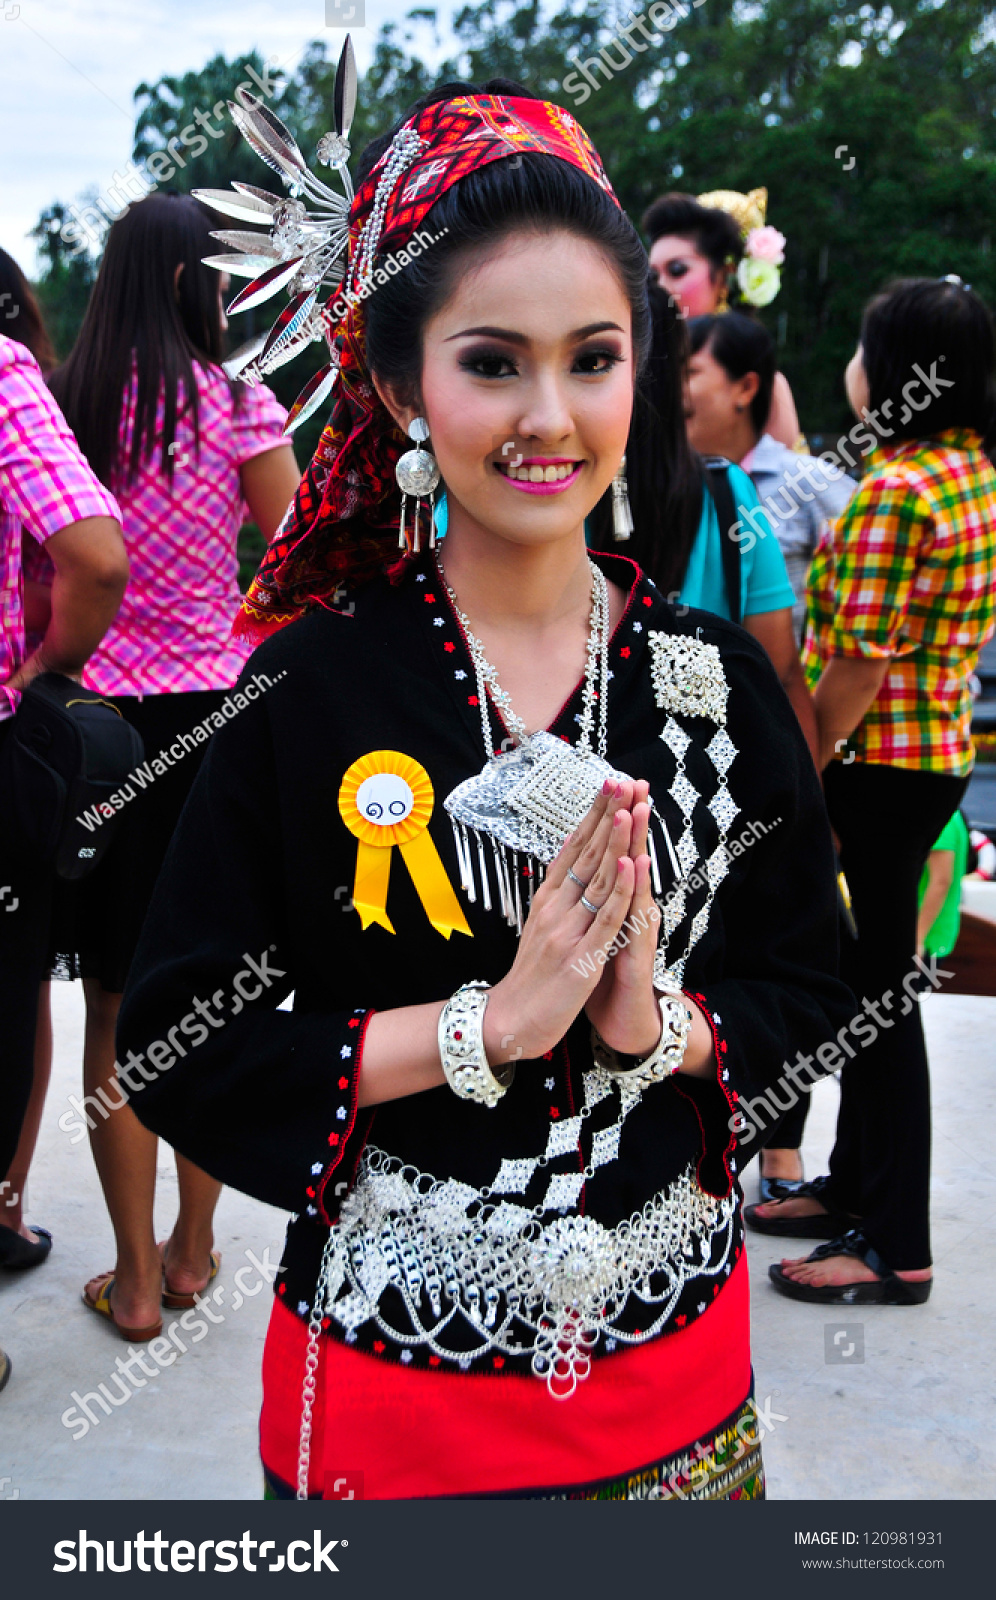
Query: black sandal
<point>16,1252</point>
<point>888,1291</point>
<point>777,1188</point>
<point>826,1225</point>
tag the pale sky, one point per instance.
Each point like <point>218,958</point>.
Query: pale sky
<point>68,69</point>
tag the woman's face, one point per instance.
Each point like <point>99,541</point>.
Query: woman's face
<point>685,274</point>
<point>716,405</point>
<point>527,387</point>
<point>856,382</point>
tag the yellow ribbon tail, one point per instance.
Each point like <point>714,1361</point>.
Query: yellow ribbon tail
<point>373,872</point>
<point>434,888</point>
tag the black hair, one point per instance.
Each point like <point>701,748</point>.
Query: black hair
<point>20,313</point>
<point>940,326</point>
<point>137,313</point>
<point>713,232</point>
<point>538,191</point>
<point>664,475</point>
<point>740,345</point>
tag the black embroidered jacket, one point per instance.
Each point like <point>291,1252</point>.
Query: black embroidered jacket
<point>575,1216</point>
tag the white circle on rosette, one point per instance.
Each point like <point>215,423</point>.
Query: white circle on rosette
<point>384,799</point>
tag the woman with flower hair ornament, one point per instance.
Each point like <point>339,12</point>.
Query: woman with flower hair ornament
<point>704,249</point>
<point>517,1263</point>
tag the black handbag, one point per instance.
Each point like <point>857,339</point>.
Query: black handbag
<point>61,765</point>
<point>721,489</point>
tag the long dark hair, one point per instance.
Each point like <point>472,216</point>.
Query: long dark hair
<point>939,324</point>
<point>740,345</point>
<point>20,313</point>
<point>537,191</point>
<point>137,312</point>
<point>663,473</point>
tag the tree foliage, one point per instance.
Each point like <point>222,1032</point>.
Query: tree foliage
<point>65,280</point>
<point>739,94</point>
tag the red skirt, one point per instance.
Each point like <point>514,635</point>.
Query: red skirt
<point>389,1432</point>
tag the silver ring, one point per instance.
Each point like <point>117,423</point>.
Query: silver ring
<point>584,901</point>
<point>575,879</point>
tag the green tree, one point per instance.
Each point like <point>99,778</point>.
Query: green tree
<point>739,94</point>
<point>65,279</point>
<point>196,104</point>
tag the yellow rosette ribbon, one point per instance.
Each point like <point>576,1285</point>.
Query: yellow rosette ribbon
<point>386,799</point>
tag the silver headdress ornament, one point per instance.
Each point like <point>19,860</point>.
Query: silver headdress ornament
<point>305,247</point>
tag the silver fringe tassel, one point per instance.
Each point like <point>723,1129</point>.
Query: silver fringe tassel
<point>508,867</point>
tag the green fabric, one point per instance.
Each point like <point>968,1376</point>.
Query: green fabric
<point>943,934</point>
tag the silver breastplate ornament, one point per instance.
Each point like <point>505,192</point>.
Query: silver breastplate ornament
<point>511,819</point>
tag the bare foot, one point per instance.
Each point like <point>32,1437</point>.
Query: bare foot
<point>839,1271</point>
<point>785,1164</point>
<point>187,1274</point>
<point>792,1206</point>
<point>134,1300</point>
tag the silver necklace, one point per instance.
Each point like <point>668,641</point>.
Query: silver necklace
<point>596,669</point>
<point>528,799</point>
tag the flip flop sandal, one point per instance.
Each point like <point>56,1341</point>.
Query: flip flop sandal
<point>822,1225</point>
<point>5,1368</point>
<point>887,1291</point>
<point>17,1253</point>
<point>172,1299</point>
<point>777,1188</point>
<point>101,1303</point>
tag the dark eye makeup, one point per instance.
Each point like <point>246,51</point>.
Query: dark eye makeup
<point>591,362</point>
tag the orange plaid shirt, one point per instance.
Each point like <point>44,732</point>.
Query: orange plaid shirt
<point>908,572</point>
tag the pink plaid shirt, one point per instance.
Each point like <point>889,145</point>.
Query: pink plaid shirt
<point>172,632</point>
<point>45,484</point>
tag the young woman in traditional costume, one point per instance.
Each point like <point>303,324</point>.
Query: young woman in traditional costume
<point>502,1104</point>
<point>703,249</point>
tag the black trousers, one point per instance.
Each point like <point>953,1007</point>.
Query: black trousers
<point>25,914</point>
<point>886,818</point>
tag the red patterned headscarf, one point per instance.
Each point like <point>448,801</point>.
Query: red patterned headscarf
<point>348,499</point>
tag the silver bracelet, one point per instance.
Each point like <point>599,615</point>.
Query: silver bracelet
<point>461,1048</point>
<point>664,1059</point>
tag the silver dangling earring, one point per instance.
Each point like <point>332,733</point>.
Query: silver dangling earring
<point>622,513</point>
<point>417,473</point>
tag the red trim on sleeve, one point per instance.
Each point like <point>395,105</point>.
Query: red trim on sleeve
<point>719,1051</point>
<point>344,1137</point>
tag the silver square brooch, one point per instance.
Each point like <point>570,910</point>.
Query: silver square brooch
<point>688,677</point>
